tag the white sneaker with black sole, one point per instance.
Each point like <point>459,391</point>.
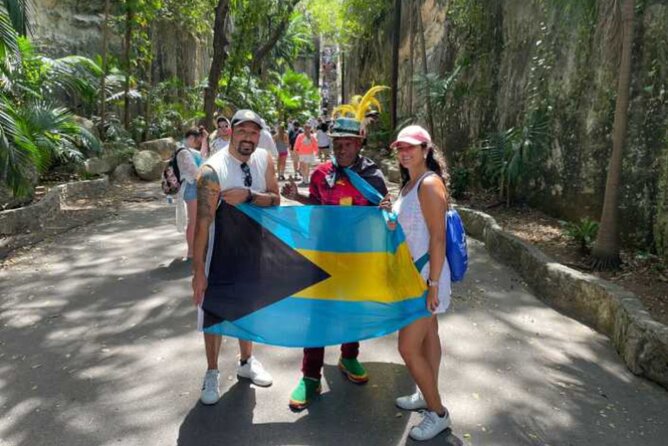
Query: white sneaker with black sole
<point>210,392</point>
<point>411,402</point>
<point>254,371</point>
<point>430,426</point>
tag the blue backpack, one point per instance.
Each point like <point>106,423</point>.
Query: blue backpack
<point>455,247</point>
<point>456,250</point>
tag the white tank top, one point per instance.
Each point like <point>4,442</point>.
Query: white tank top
<point>409,214</point>
<point>230,174</point>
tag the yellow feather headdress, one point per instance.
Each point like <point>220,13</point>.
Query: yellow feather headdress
<point>360,105</point>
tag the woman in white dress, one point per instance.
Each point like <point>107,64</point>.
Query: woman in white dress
<point>421,210</point>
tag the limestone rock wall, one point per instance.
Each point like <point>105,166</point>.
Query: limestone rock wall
<point>516,55</point>
<point>63,27</point>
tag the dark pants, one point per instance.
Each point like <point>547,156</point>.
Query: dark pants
<point>314,358</point>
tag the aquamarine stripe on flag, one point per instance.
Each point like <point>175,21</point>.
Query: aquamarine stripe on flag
<point>338,228</point>
<point>322,322</point>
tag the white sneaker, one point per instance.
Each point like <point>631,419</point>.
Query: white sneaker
<point>210,393</point>
<point>430,426</point>
<point>254,371</point>
<point>411,402</point>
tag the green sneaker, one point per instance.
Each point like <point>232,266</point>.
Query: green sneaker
<point>306,390</point>
<point>353,370</point>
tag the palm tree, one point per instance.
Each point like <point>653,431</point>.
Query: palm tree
<point>8,35</point>
<point>394,83</point>
<point>18,12</point>
<point>105,68</point>
<point>295,94</point>
<point>32,131</point>
<point>606,249</point>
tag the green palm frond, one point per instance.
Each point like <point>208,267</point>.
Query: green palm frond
<point>19,12</point>
<point>297,39</point>
<point>132,94</point>
<point>19,155</point>
<point>75,75</point>
<point>55,132</point>
<point>8,36</point>
<point>508,157</point>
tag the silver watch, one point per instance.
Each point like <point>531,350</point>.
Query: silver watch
<point>432,283</point>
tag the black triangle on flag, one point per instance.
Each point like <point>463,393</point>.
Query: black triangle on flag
<point>251,268</point>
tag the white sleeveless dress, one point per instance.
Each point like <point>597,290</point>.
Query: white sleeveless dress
<point>409,214</point>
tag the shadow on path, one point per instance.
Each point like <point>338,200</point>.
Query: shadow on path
<point>363,415</point>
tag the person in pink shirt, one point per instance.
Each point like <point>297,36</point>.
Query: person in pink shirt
<point>306,146</point>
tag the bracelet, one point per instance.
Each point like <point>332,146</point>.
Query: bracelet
<point>249,198</point>
<point>432,283</point>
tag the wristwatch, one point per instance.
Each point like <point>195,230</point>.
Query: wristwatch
<point>249,198</point>
<point>432,283</point>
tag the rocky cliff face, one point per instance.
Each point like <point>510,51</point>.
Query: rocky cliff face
<point>63,27</point>
<point>517,56</point>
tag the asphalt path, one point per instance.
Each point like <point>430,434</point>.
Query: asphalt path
<point>98,347</point>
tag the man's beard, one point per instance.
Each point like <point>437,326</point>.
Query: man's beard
<point>245,148</point>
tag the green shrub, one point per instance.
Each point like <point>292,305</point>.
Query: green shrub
<point>583,232</point>
<point>459,181</point>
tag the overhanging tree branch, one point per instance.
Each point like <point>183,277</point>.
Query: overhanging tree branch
<point>219,56</point>
<point>264,49</point>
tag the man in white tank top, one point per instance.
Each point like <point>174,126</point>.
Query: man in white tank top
<point>240,174</point>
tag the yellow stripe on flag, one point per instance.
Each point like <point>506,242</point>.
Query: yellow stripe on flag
<point>366,276</point>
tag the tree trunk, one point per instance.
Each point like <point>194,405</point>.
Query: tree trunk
<point>219,56</point>
<point>149,88</point>
<point>425,71</point>
<point>394,83</point>
<point>343,78</point>
<point>316,62</point>
<point>103,80</point>
<point>129,17</point>
<point>606,249</point>
<point>264,49</point>
<point>411,51</point>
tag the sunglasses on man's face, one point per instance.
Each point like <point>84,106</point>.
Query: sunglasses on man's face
<point>248,179</point>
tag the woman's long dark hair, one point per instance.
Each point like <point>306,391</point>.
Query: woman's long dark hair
<point>435,163</point>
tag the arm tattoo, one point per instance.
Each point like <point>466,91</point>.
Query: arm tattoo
<point>208,190</point>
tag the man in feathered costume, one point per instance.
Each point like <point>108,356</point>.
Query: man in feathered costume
<point>330,185</point>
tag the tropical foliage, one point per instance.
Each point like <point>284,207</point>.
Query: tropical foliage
<point>583,232</point>
<point>508,157</point>
<point>268,41</point>
<point>34,131</point>
<point>348,21</point>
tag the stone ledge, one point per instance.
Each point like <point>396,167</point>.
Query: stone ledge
<point>32,217</point>
<point>641,341</point>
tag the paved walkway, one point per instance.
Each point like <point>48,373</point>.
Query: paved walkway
<point>97,347</point>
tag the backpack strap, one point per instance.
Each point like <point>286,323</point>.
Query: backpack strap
<point>424,176</point>
<point>422,261</point>
<point>175,163</point>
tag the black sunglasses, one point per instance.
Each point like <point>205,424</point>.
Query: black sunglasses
<point>248,179</point>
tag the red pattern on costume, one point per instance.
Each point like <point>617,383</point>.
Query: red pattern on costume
<point>342,194</point>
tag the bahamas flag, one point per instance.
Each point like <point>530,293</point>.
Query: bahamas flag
<point>309,276</point>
